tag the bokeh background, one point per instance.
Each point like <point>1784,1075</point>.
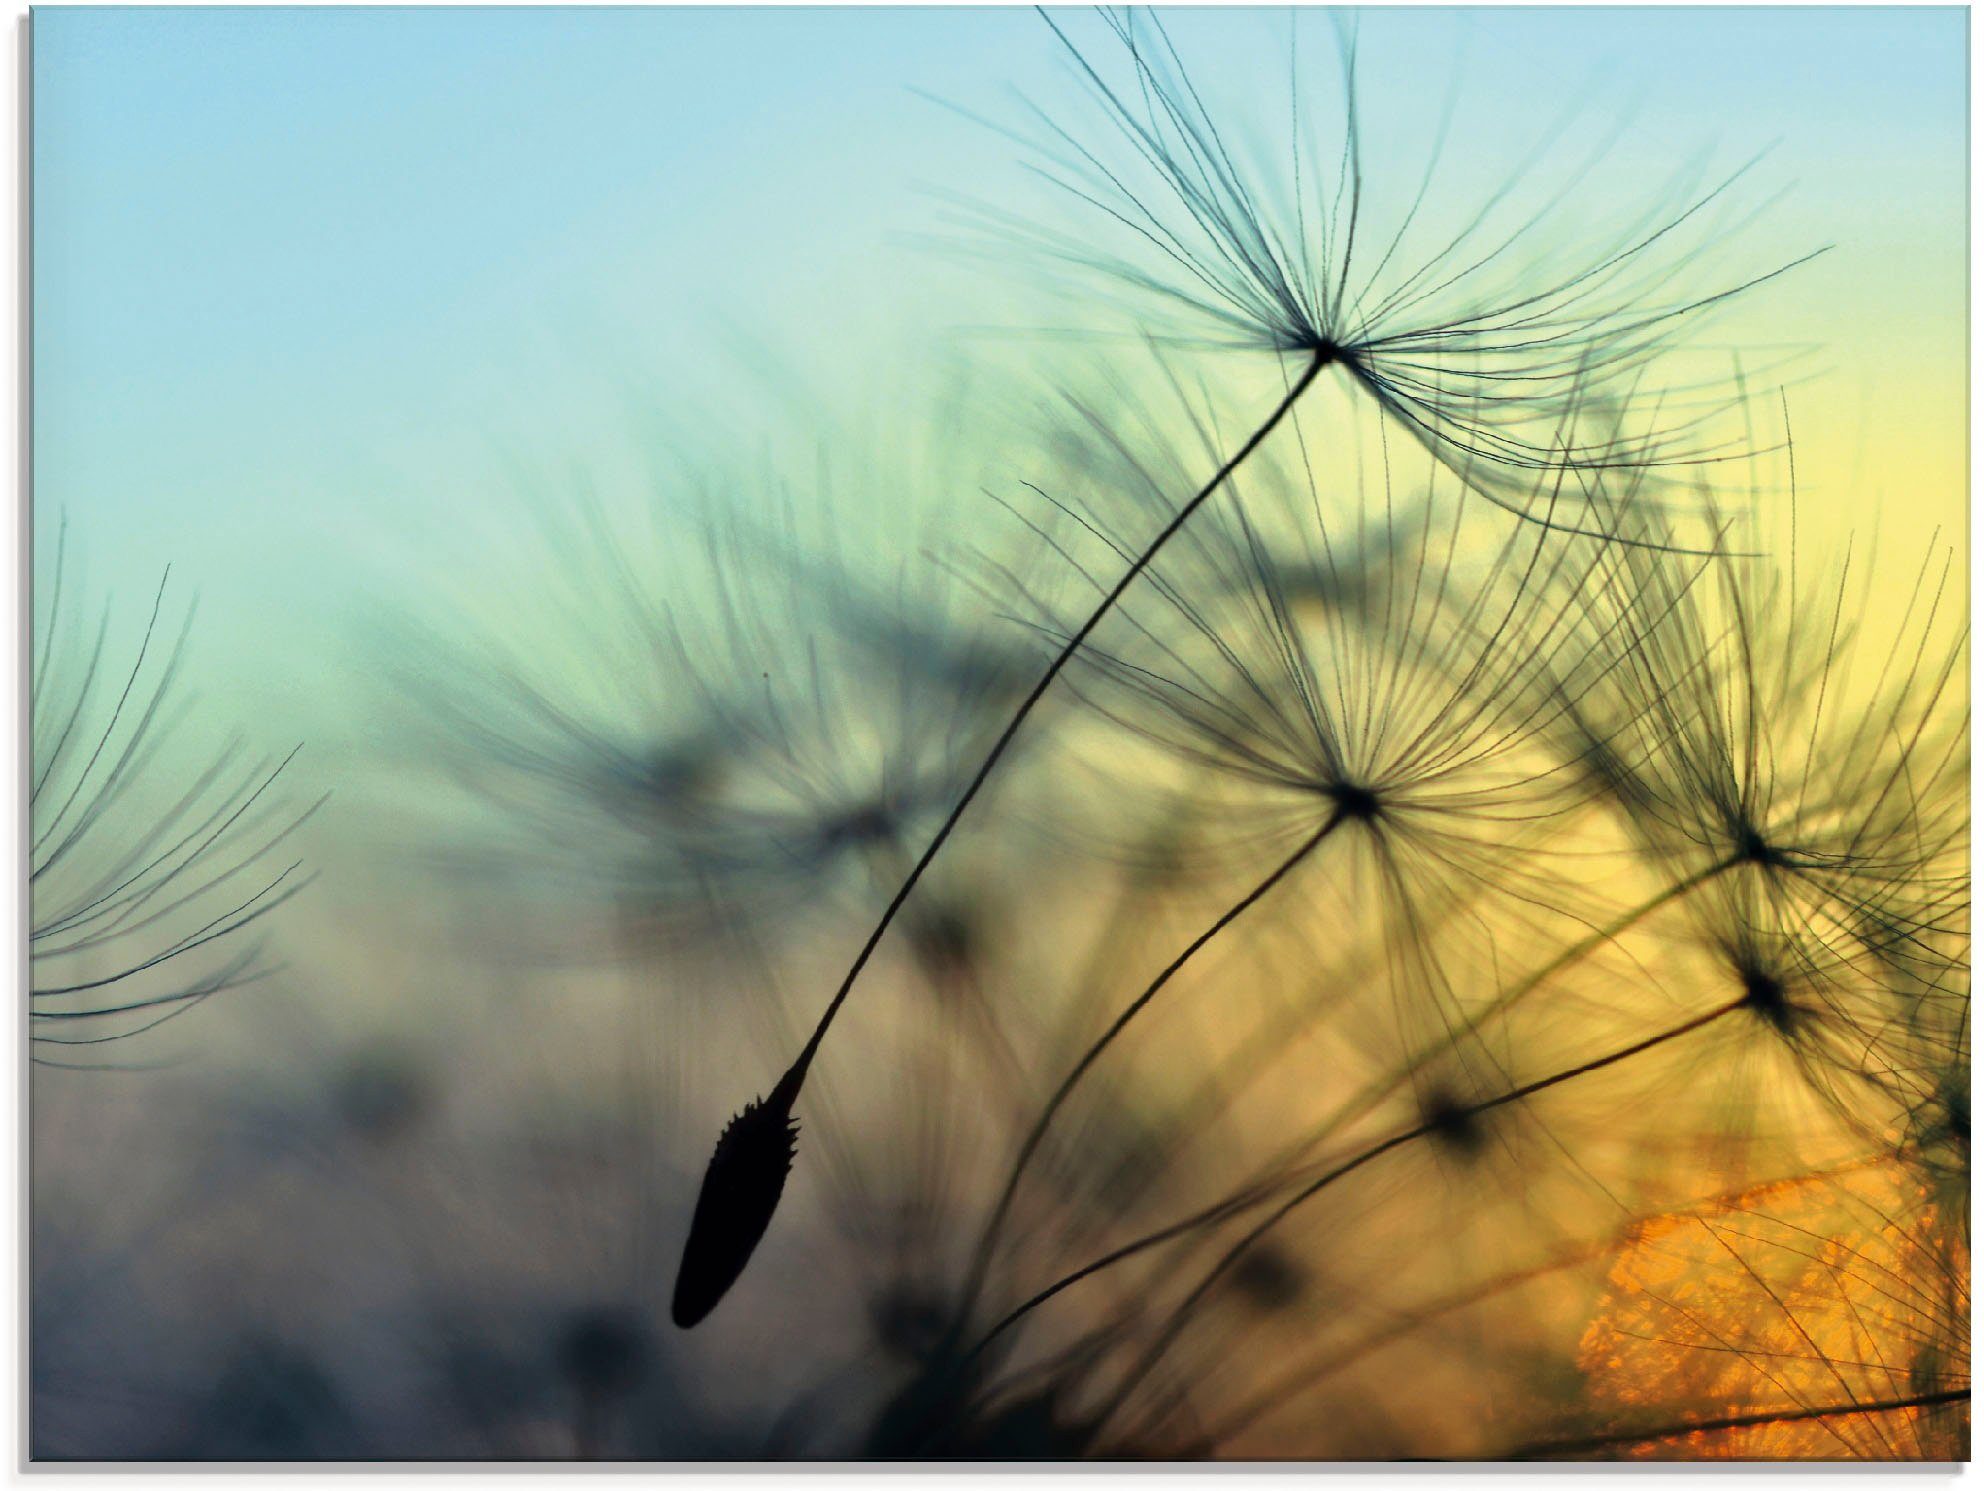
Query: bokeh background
<point>332,308</point>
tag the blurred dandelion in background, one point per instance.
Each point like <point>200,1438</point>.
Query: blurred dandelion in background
<point>138,913</point>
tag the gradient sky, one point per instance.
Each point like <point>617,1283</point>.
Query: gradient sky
<point>298,272</point>
<point>331,306</point>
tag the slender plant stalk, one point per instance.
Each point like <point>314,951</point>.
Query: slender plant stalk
<point>747,1170</point>
<point>988,1236</point>
<point>1316,364</point>
<point>1319,1369</point>
<point>1218,1212</point>
<point>1307,1374</point>
<point>1736,1421</point>
<point>1233,1205</point>
<point>1508,998</point>
<point>1180,1315</point>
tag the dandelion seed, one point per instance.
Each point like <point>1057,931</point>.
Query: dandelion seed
<point>1751,723</point>
<point>740,1192</point>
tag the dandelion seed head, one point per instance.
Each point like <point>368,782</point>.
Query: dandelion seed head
<point>1456,1126</point>
<point>737,719</point>
<point>1765,997</point>
<point>1355,803</point>
<point>1752,848</point>
<point>1752,723</point>
<point>1475,335</point>
<point>1315,646</point>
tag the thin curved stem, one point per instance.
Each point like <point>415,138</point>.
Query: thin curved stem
<point>1528,984</point>
<point>1234,1204</point>
<point>1305,1375</point>
<point>1180,1315</point>
<point>1233,463</point>
<point>1269,1037</point>
<point>1735,1421</point>
<point>982,1257</point>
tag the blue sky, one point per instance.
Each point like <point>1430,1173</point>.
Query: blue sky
<point>298,271</point>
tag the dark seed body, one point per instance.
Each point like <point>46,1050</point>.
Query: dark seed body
<point>740,1192</point>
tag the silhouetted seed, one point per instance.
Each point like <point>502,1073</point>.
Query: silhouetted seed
<point>1958,1119</point>
<point>740,1192</point>
<point>1453,1124</point>
<point>1764,997</point>
<point>606,1352</point>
